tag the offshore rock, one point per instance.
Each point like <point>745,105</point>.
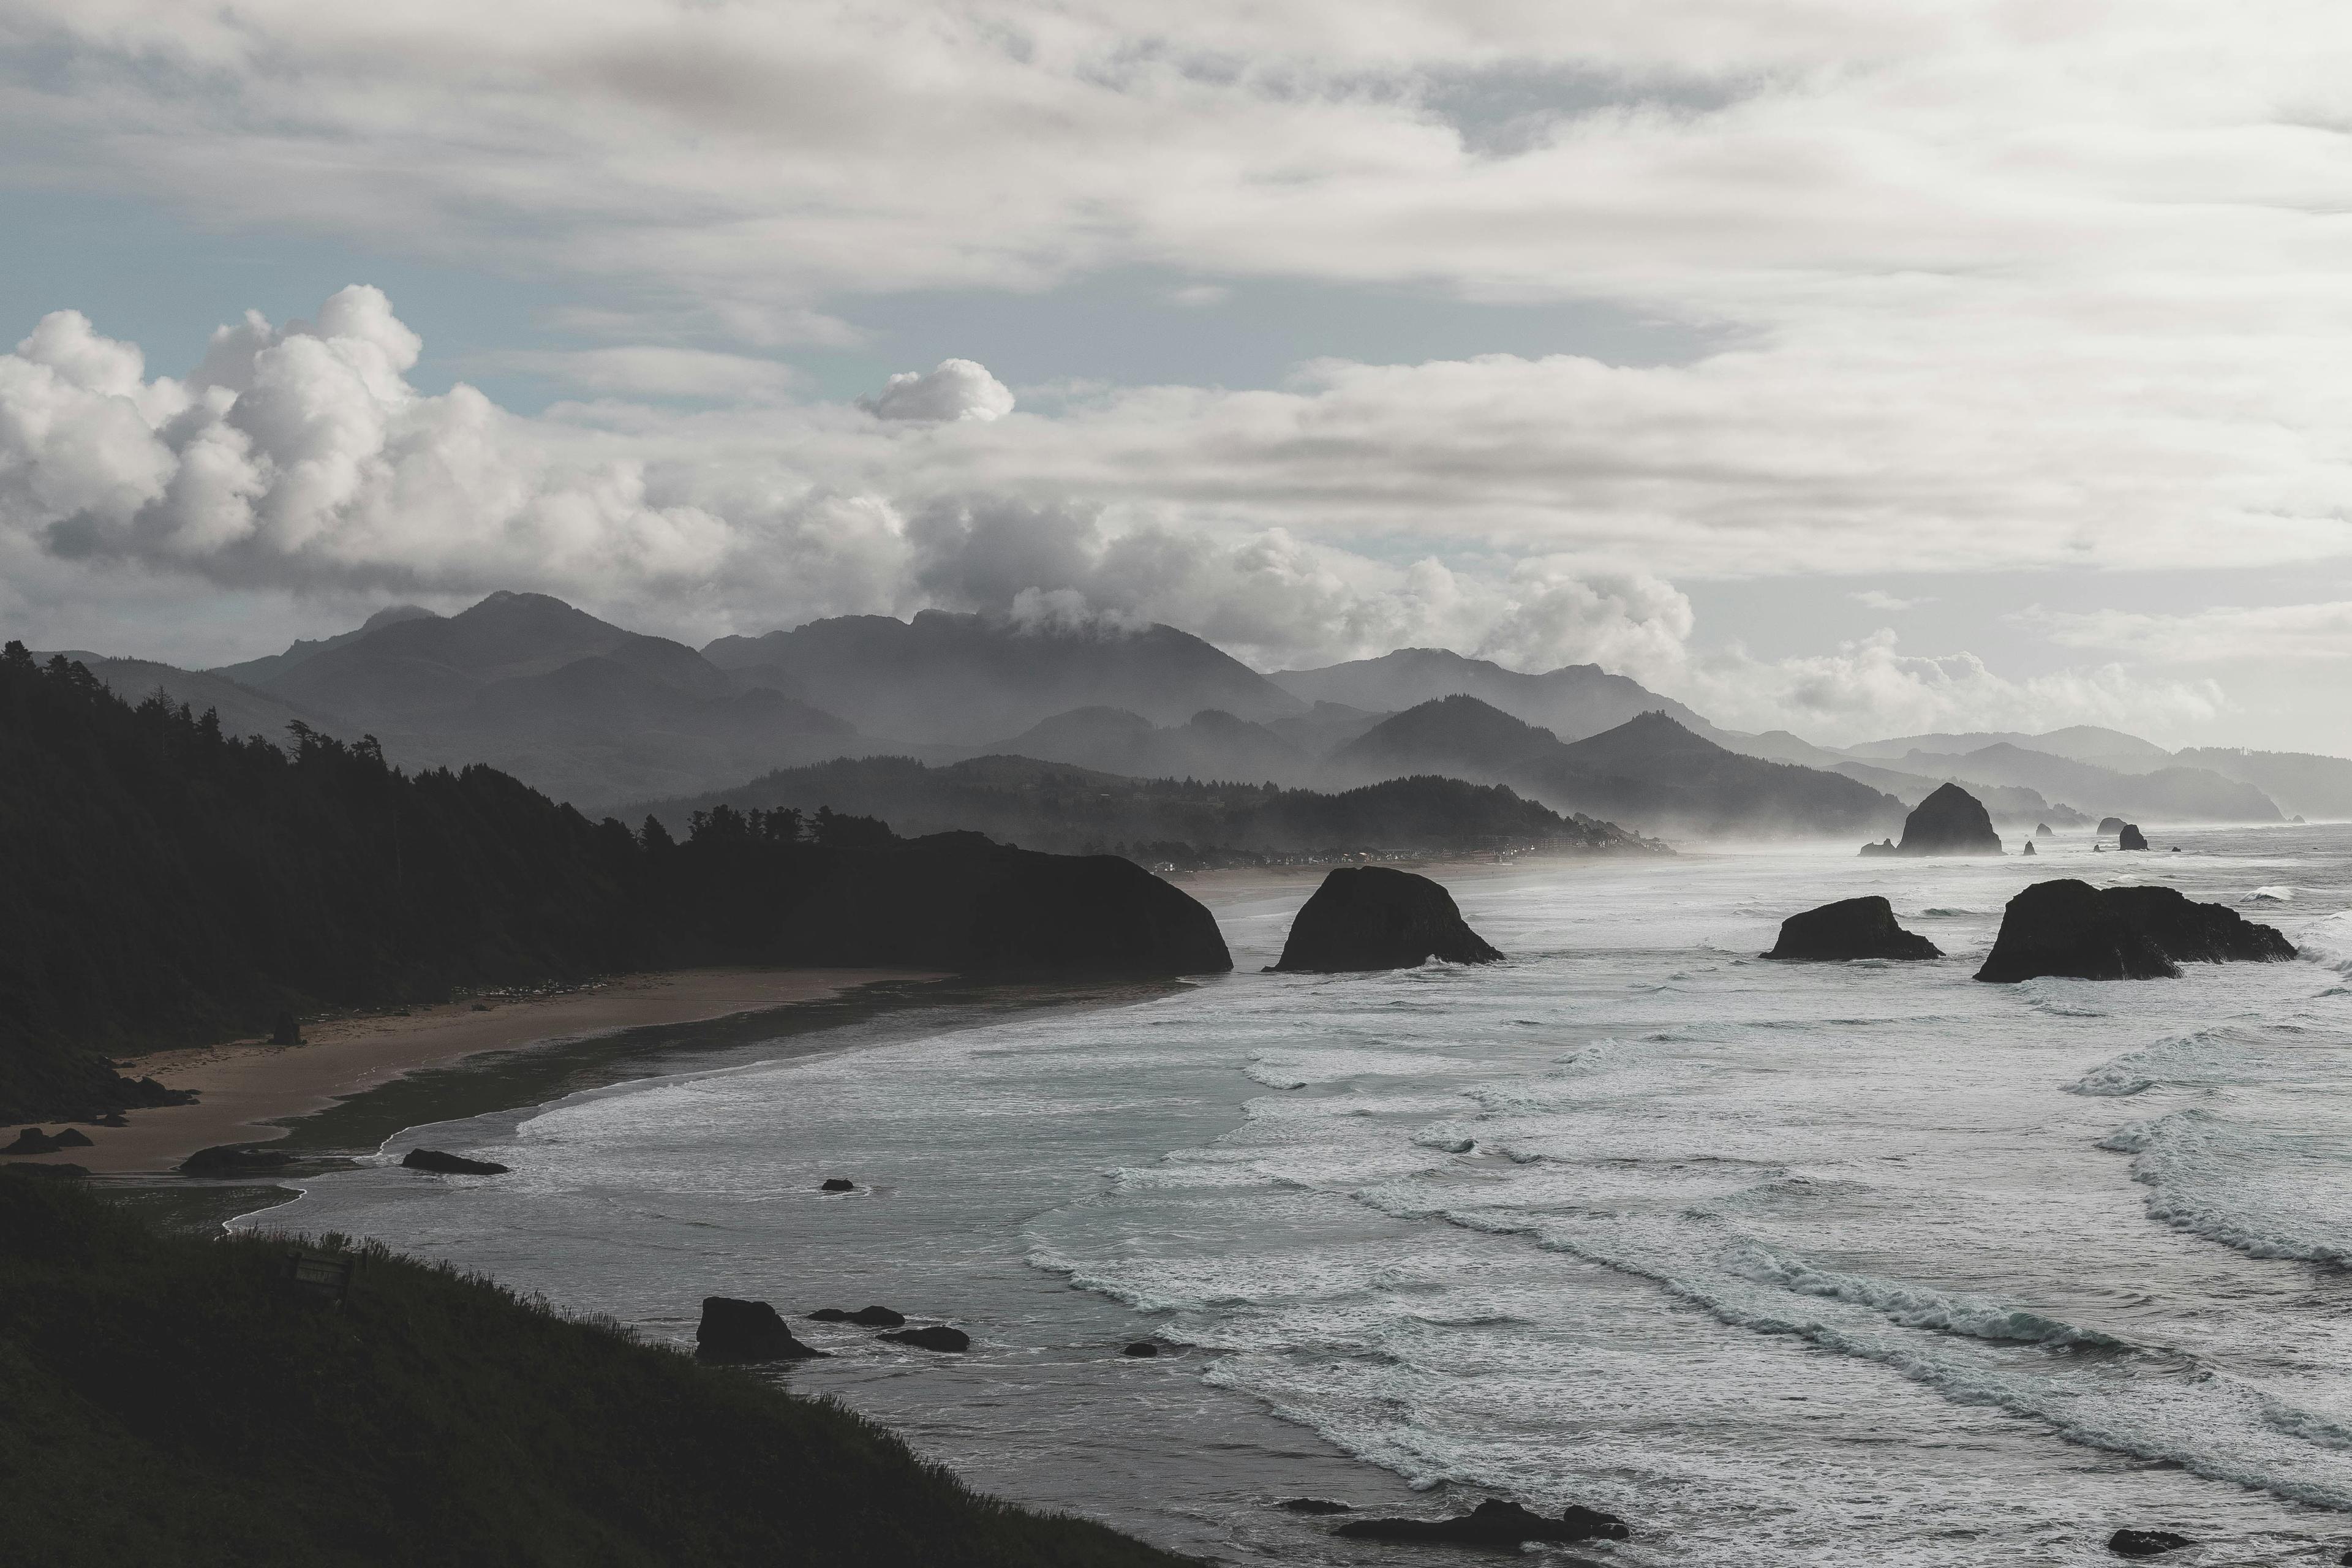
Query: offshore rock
<point>433,1160</point>
<point>2069,928</point>
<point>1373,917</point>
<point>837,1184</point>
<point>234,1160</point>
<point>2029,848</point>
<point>952,1341</point>
<point>2131,837</point>
<point>1312,1505</point>
<point>1885,846</point>
<point>731,1330</point>
<point>1951,821</point>
<point>1141,1348</point>
<point>2041,830</point>
<point>2144,1543</point>
<point>1493,1523</point>
<point>2110,826</point>
<point>1851,928</point>
<point>864,1316</point>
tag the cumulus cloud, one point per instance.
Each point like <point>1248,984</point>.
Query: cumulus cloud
<point>958,389</point>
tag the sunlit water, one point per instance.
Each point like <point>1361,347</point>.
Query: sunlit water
<point>1859,1263</point>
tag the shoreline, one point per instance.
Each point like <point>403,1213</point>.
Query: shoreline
<point>1224,885</point>
<point>252,1091</point>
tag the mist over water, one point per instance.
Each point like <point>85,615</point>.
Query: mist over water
<point>1789,1264</point>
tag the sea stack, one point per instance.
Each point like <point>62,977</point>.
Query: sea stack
<point>2029,848</point>
<point>2069,928</point>
<point>1373,917</point>
<point>2041,830</point>
<point>1851,928</point>
<point>2110,826</point>
<point>1951,821</point>
<point>733,1330</point>
<point>2131,837</point>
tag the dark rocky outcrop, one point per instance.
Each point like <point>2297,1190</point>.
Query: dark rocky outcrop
<point>1851,928</point>
<point>864,1316</point>
<point>837,1184</point>
<point>433,1160</point>
<point>2069,928</point>
<point>2029,848</point>
<point>2041,830</point>
<point>1374,916</point>
<point>1883,846</point>
<point>235,1160</point>
<point>1142,1349</point>
<point>1312,1505</point>
<point>32,1141</point>
<point>1951,821</point>
<point>1493,1523</point>
<point>2131,837</point>
<point>732,1330</point>
<point>286,1031</point>
<point>2145,1543</point>
<point>2110,826</point>
<point>950,1340</point>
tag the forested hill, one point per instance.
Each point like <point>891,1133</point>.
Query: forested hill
<point>1187,822</point>
<point>170,884</point>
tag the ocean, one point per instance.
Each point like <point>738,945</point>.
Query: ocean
<point>1786,1264</point>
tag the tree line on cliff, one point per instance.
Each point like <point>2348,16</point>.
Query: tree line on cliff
<point>174,884</point>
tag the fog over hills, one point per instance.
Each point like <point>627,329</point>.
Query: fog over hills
<point>597,714</point>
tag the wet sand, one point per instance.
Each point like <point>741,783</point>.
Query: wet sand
<point>248,1086</point>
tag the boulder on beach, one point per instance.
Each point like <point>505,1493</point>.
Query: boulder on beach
<point>1493,1523</point>
<point>2110,826</point>
<point>2029,848</point>
<point>732,1330</point>
<point>288,1031</point>
<point>235,1160</point>
<point>2069,928</point>
<point>1951,821</point>
<point>937,1338</point>
<point>2041,830</point>
<point>2131,837</point>
<point>1883,846</point>
<point>32,1141</point>
<point>1375,917</point>
<point>2145,1543</point>
<point>443,1164</point>
<point>1851,928</point>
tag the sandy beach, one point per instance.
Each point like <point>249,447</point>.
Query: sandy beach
<point>246,1086</point>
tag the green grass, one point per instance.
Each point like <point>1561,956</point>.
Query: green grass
<point>167,1399</point>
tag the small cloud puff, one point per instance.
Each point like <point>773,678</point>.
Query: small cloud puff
<point>1878,599</point>
<point>958,389</point>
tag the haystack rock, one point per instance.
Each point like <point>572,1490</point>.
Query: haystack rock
<point>731,1330</point>
<point>1950,821</point>
<point>1373,917</point>
<point>1851,928</point>
<point>2029,848</point>
<point>2041,830</point>
<point>2068,927</point>
<point>2131,837</point>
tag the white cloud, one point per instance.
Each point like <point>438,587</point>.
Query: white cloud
<point>1878,599</point>
<point>957,389</point>
<point>2224,634</point>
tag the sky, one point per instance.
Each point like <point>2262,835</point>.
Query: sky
<point>1857,367</point>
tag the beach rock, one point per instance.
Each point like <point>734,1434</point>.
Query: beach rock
<point>112,1119</point>
<point>1374,916</point>
<point>1493,1523</point>
<point>2131,837</point>
<point>1312,1505</point>
<point>235,1160</point>
<point>1883,846</point>
<point>875,1318</point>
<point>287,1032</point>
<point>1141,1348</point>
<point>32,1141</point>
<point>2029,847</point>
<point>950,1340</point>
<point>2068,927</point>
<point>2110,826</point>
<point>837,1184</point>
<point>1951,821</point>
<point>731,1330</point>
<point>829,1315</point>
<point>69,1138</point>
<point>2145,1543</point>
<point>2041,830</point>
<point>1851,928</point>
<point>451,1164</point>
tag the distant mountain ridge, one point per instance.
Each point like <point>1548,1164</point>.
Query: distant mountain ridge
<point>1572,701</point>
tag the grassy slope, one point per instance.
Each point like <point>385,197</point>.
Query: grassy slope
<point>165,1399</point>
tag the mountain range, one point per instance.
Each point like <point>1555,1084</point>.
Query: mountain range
<point>601,716</point>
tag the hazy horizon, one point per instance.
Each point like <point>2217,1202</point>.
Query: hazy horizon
<point>1855,371</point>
